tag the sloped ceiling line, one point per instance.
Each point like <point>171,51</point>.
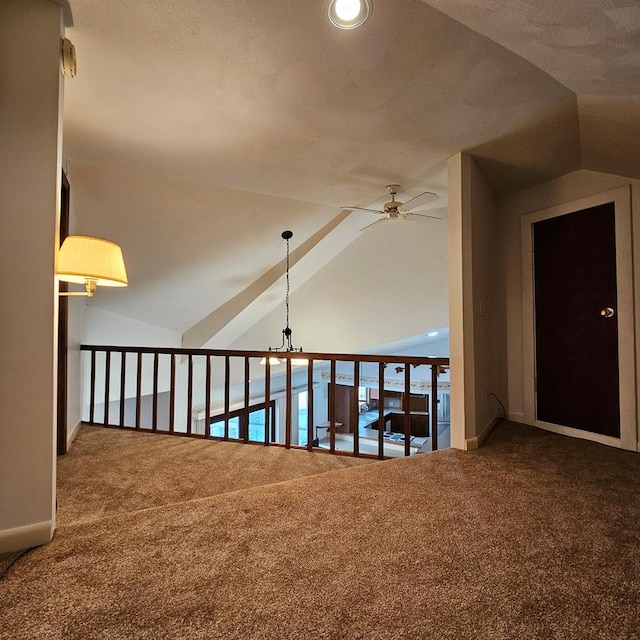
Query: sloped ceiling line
<point>202,332</point>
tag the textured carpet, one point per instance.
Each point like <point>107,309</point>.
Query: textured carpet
<point>109,471</point>
<point>532,536</point>
<point>7,559</point>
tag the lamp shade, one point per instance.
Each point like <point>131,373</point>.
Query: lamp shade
<point>83,257</point>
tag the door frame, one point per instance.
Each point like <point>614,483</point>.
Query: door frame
<point>621,197</point>
<point>63,329</point>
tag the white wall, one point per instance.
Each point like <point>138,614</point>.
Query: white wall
<point>108,328</point>
<point>30,165</point>
<point>391,283</point>
<point>473,271</point>
<point>437,348</point>
<point>511,208</point>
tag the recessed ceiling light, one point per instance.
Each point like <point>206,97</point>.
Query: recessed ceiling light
<point>433,334</point>
<point>349,14</point>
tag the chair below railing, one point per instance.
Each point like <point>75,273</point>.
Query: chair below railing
<point>359,405</point>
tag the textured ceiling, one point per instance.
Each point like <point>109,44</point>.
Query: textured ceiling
<point>196,129</point>
<point>590,46</point>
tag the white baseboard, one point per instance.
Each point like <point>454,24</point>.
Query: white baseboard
<point>515,416</point>
<point>31,535</point>
<point>471,444</point>
<point>71,435</point>
<point>581,435</point>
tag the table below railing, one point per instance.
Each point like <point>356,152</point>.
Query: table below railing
<point>246,396</point>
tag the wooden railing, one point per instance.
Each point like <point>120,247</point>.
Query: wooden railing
<point>359,405</point>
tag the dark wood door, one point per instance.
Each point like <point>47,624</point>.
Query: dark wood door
<point>577,373</point>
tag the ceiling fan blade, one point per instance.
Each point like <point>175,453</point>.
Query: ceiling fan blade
<point>415,217</point>
<point>363,209</point>
<point>420,201</point>
<point>373,223</point>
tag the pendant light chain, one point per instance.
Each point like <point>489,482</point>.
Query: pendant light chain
<point>287,344</point>
<point>287,295</point>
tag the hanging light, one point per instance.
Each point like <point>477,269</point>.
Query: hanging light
<point>287,343</point>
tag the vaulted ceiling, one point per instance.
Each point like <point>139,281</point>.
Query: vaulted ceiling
<point>196,131</point>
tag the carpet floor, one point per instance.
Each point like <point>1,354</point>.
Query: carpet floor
<point>532,536</point>
<point>110,471</point>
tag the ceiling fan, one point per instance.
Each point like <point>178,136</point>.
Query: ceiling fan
<point>395,210</point>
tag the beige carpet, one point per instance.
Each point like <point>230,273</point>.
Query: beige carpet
<point>533,536</point>
<point>109,471</point>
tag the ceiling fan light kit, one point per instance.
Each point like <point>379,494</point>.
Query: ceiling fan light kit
<point>349,14</point>
<point>394,209</point>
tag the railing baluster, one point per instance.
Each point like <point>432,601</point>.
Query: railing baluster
<point>287,420</point>
<point>310,406</point>
<point>332,408</point>
<point>172,394</point>
<point>407,410</point>
<point>434,406</point>
<point>154,420</point>
<point>107,381</point>
<point>381,410</point>
<point>227,373</point>
<point>123,373</point>
<point>355,410</point>
<point>138,388</point>
<point>207,399</point>
<point>190,394</point>
<point>244,424</point>
<point>267,400</point>
<point>92,404</point>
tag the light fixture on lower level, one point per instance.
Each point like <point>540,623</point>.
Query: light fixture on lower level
<point>90,261</point>
<point>349,14</point>
<point>287,343</point>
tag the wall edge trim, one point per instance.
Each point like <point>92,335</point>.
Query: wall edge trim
<point>71,436</point>
<point>25,537</point>
<point>471,444</point>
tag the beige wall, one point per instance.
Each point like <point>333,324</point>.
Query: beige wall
<point>29,202</point>
<point>511,208</point>
<point>460,307</point>
<point>485,310</point>
<point>474,316</point>
<point>389,284</point>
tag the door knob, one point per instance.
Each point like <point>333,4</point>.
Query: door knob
<point>607,312</point>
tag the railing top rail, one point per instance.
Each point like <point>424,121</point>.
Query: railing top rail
<point>284,355</point>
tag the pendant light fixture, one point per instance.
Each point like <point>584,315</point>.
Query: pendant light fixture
<point>287,343</point>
